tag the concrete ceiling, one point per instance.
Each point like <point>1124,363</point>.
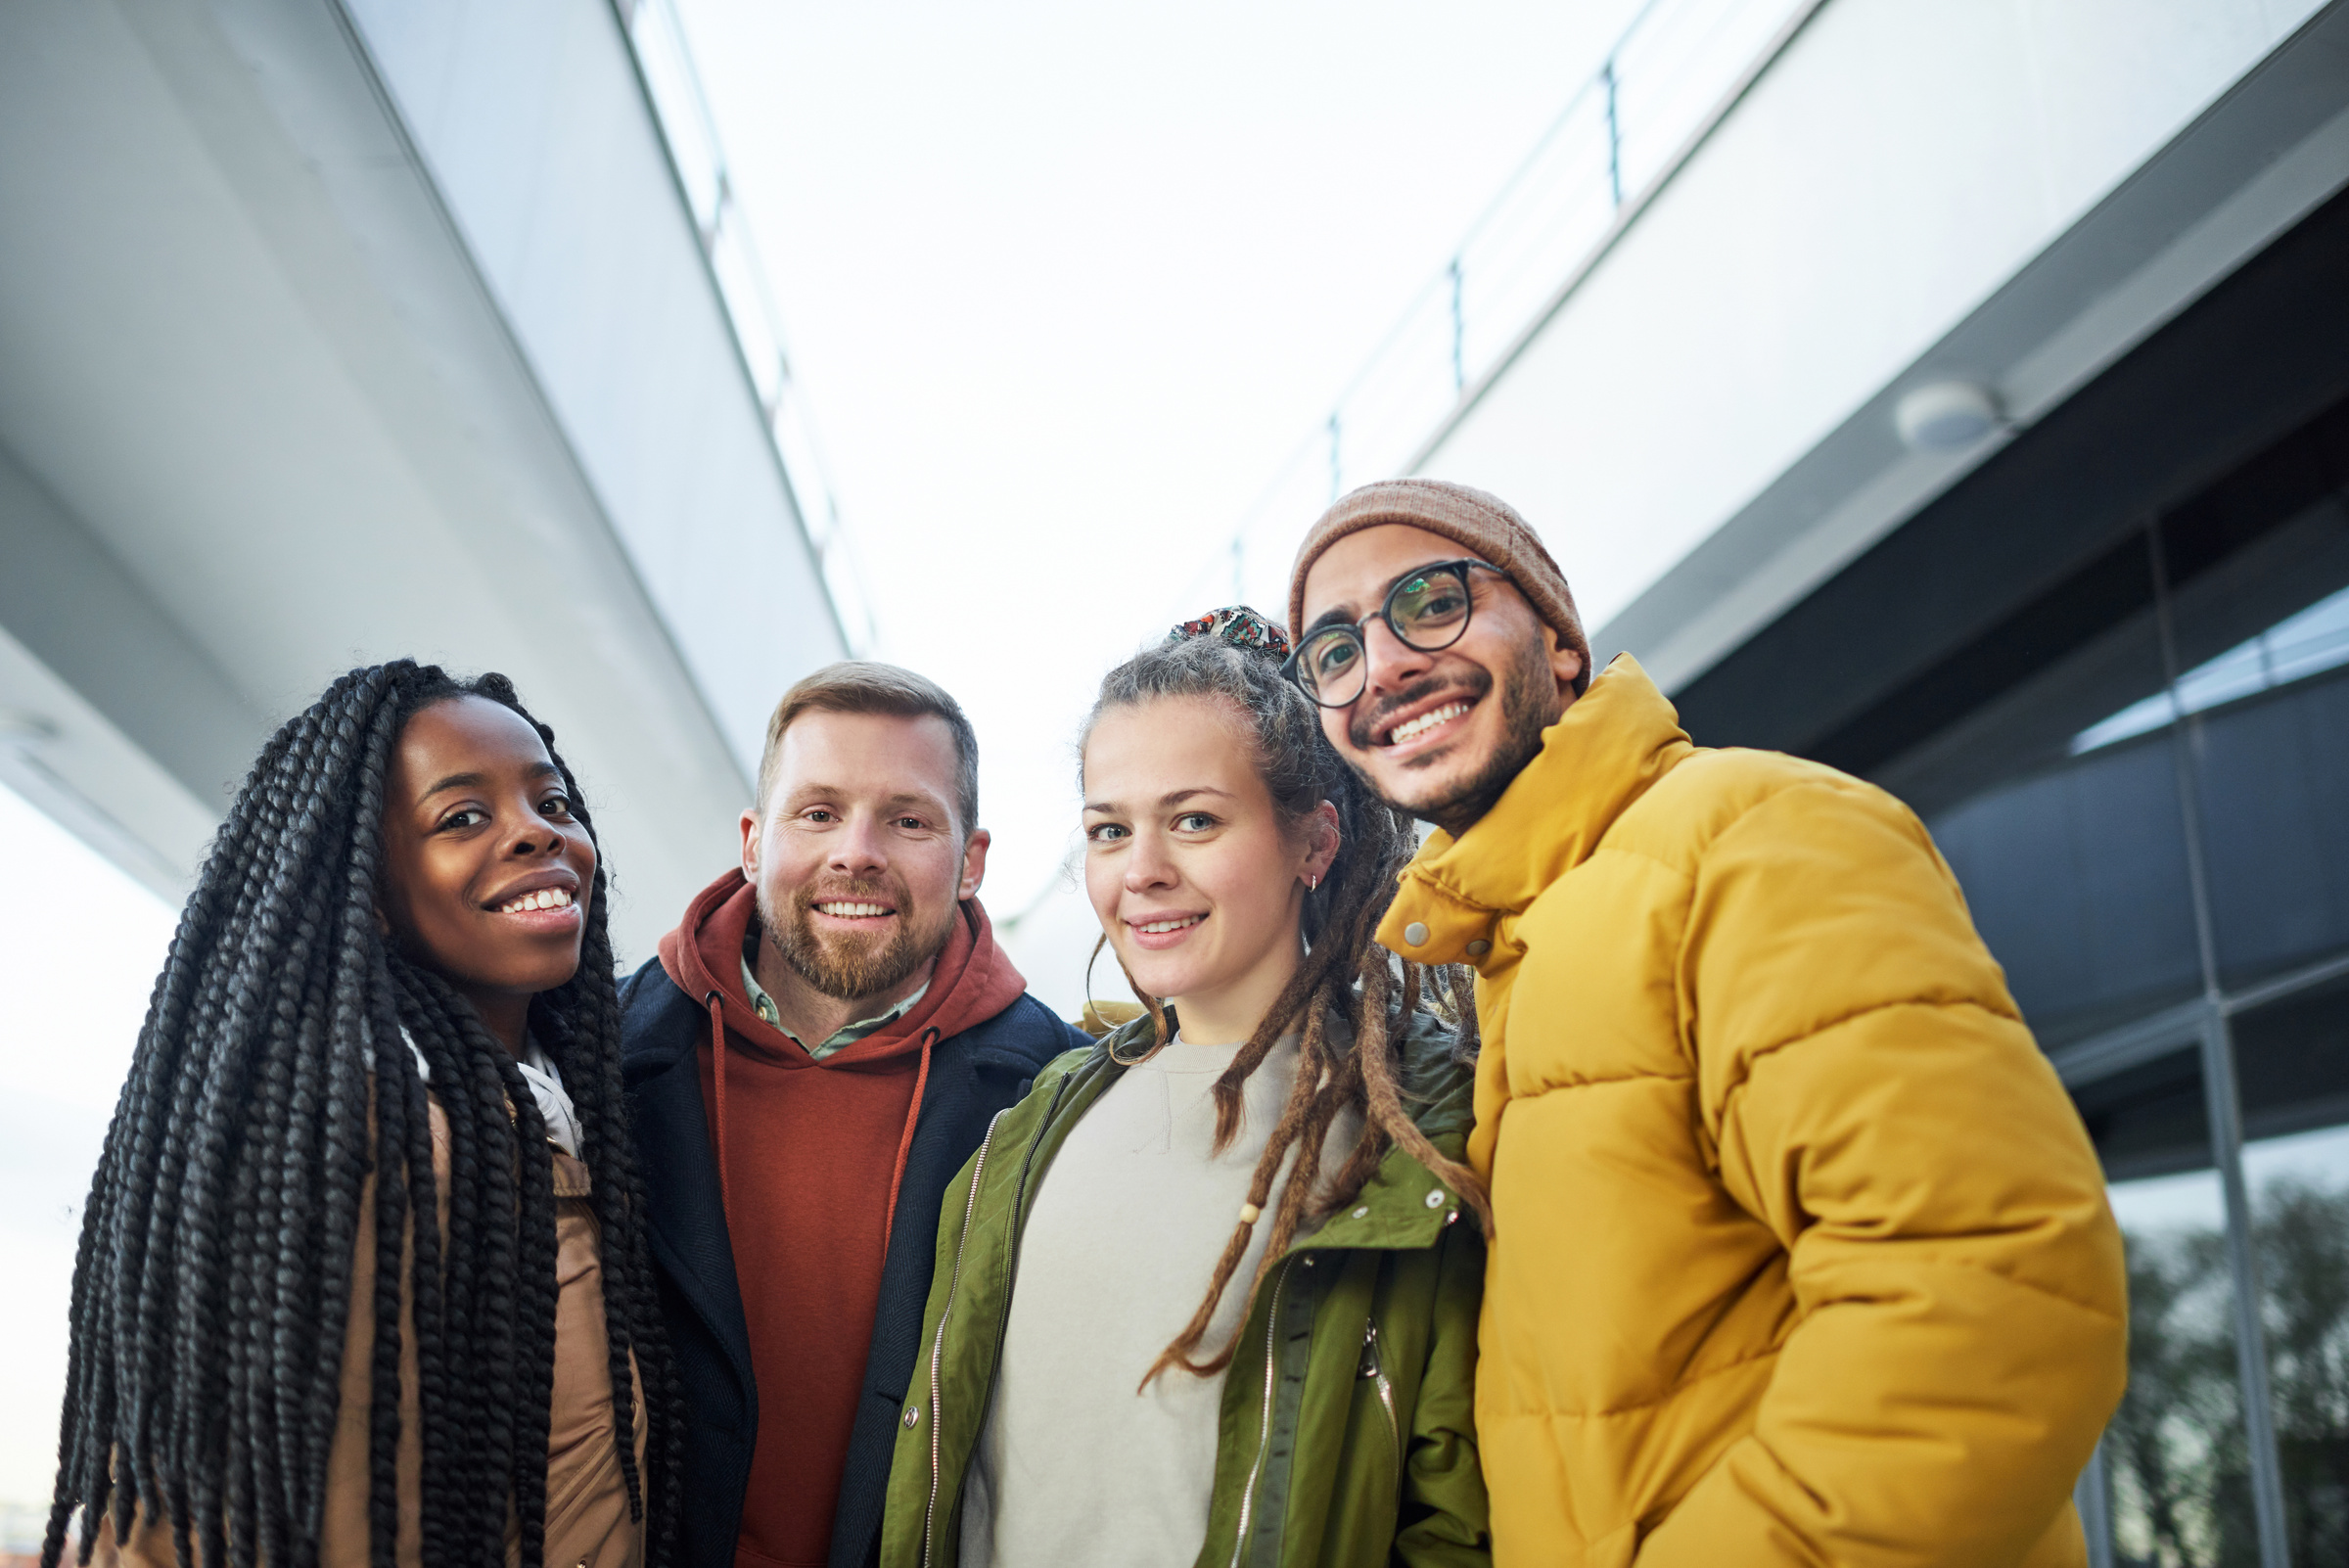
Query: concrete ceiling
<point>261,420</point>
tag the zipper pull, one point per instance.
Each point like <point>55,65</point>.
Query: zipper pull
<point>1368,1366</point>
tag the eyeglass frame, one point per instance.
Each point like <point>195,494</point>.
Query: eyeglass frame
<point>1291,668</point>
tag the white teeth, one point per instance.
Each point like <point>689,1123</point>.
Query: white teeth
<point>1425,722</point>
<point>1156,927</point>
<point>543,899</point>
<point>854,912</point>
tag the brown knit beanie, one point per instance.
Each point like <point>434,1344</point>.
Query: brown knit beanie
<point>1485,526</point>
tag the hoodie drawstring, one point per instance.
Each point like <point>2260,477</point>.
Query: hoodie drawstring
<point>717,1057</point>
<point>913,1114</point>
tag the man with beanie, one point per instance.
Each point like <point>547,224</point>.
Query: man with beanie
<point>1800,1255</point>
<point>818,1050</point>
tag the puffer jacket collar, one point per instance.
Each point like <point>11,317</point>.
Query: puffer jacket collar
<point>1614,743</point>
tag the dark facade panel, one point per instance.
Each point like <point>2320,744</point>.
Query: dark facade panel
<point>2037,550</point>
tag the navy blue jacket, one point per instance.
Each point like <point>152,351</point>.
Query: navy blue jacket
<point>973,1075</point>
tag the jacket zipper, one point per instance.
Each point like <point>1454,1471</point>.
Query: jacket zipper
<point>938,1346</point>
<point>1263,1434</point>
<point>1374,1370</point>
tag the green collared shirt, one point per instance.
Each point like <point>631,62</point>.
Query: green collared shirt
<point>846,1035</point>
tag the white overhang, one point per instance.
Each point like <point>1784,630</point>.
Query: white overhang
<point>329,336</point>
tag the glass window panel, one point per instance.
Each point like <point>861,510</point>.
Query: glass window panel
<point>2077,880</point>
<point>2293,1062</point>
<point>2073,860</point>
<point>2176,1460</point>
<point>2260,634</point>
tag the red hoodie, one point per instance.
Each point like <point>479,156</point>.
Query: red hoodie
<point>810,1154</point>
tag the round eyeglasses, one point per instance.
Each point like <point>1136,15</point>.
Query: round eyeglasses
<point>1427,609</point>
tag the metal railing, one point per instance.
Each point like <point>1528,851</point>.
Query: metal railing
<point>1676,70</point>
<point>665,62</point>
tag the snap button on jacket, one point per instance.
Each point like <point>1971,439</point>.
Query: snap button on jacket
<point>1802,1255</point>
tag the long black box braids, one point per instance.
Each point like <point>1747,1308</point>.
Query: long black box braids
<point>212,1284</point>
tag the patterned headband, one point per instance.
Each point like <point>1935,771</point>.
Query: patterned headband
<point>1239,625</point>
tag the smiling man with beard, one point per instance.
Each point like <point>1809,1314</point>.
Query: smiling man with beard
<point>818,1050</point>
<point>1800,1254</point>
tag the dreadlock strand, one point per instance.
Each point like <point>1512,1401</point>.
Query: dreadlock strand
<point>480,1254</point>
<point>1229,1093</point>
<point>392,1107</point>
<point>358,1084</point>
<point>1293,1115</point>
<point>608,1145</point>
<point>80,1365</point>
<point>1386,1108</point>
<point>440,1434</point>
<point>1463,1009</point>
<point>535,1316</point>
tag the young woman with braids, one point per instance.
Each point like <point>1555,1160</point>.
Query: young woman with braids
<point>1204,1296</point>
<point>390,996</point>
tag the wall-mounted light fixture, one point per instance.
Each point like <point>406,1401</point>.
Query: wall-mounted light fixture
<point>1945,416</point>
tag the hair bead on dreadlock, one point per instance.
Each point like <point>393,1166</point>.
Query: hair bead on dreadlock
<point>1233,655</point>
<point>272,1077</point>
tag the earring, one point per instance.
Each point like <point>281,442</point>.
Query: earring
<point>1313,884</point>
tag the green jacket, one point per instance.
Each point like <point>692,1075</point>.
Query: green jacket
<point>1346,1435</point>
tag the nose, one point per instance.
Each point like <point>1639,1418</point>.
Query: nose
<point>1148,866</point>
<point>858,852</point>
<point>534,836</point>
<point>1389,663</point>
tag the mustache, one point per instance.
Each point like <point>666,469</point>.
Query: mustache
<point>1364,728</point>
<point>853,892</point>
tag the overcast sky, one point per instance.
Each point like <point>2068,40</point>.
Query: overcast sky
<point>1066,283</point>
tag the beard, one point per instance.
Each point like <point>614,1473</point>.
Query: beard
<point>1529,704</point>
<point>847,965</point>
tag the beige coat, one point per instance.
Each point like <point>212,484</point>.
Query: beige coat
<point>587,1522</point>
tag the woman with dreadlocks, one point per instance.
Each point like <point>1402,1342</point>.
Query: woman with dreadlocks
<point>362,1277</point>
<point>1203,1296</point>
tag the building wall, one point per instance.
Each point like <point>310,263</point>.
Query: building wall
<point>530,117</point>
<point>1899,162</point>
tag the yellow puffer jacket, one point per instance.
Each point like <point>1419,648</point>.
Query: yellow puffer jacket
<point>1802,1256</point>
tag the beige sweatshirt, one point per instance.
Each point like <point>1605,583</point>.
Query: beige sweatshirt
<point>1074,1465</point>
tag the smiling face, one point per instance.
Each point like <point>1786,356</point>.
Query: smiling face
<point>486,872</point>
<point>1195,878</point>
<point>1439,734</point>
<point>858,861</point>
